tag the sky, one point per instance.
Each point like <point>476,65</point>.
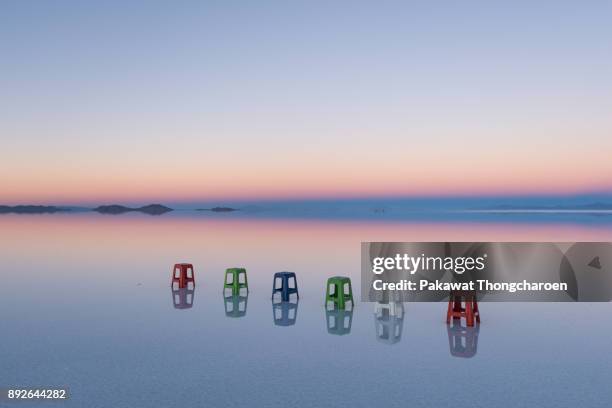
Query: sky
<point>196,101</point>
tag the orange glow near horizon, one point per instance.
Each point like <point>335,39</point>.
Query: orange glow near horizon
<point>370,163</point>
<point>176,184</point>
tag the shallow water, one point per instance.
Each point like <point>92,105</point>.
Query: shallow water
<point>85,302</point>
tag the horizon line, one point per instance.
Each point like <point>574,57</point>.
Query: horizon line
<point>304,199</point>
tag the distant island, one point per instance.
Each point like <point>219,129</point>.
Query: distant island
<point>151,209</point>
<point>218,209</point>
<point>31,209</point>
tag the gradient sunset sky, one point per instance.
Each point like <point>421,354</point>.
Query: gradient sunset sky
<point>169,101</point>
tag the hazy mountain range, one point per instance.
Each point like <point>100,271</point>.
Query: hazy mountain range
<point>381,207</point>
<point>113,209</point>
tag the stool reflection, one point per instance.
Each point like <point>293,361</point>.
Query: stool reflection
<point>389,321</point>
<point>182,298</point>
<point>462,340</point>
<point>235,305</point>
<point>284,313</point>
<point>339,321</point>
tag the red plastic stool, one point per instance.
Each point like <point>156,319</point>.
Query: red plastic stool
<point>183,298</point>
<point>457,311</point>
<point>181,276</point>
<point>463,341</point>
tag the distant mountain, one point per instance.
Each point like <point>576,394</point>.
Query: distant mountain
<point>218,209</point>
<point>31,209</point>
<point>151,209</point>
<point>76,209</point>
<point>154,209</point>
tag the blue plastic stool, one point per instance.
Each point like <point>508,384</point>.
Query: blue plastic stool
<point>284,288</point>
<point>285,313</point>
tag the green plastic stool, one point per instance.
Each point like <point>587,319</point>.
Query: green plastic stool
<point>339,321</point>
<point>235,285</point>
<point>338,297</point>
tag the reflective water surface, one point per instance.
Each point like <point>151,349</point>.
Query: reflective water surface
<point>86,302</point>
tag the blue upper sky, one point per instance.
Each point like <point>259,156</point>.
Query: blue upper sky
<point>201,101</point>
